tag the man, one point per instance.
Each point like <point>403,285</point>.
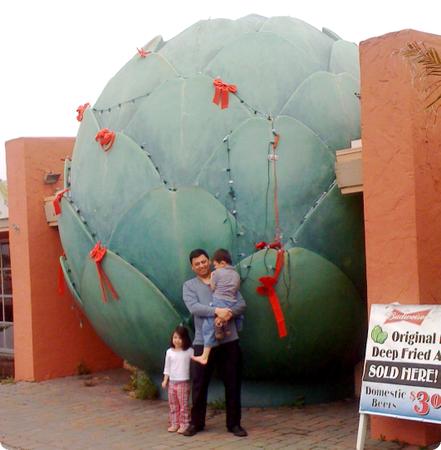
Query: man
<point>227,357</point>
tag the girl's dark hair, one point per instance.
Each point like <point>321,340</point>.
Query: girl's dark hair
<point>182,332</point>
<point>222,255</point>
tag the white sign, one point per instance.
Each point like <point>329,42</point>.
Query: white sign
<point>402,372</point>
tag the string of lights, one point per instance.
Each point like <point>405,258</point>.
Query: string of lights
<point>231,208</point>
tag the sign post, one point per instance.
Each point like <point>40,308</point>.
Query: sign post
<point>361,435</point>
<point>402,372</point>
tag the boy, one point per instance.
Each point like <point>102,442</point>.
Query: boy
<point>225,283</point>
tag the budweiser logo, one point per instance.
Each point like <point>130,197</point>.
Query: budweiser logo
<point>416,317</point>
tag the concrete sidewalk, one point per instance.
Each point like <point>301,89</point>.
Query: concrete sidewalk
<point>66,414</point>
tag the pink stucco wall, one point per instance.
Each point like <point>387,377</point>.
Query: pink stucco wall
<point>402,193</point>
<point>48,339</point>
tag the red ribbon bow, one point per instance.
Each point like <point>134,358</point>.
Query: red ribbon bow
<point>142,53</point>
<point>57,201</point>
<point>221,91</point>
<point>267,289</point>
<point>80,111</point>
<point>261,245</point>
<point>106,138</point>
<point>97,254</point>
<point>276,245</point>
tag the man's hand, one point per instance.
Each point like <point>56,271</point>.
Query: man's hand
<point>224,313</point>
<point>218,322</point>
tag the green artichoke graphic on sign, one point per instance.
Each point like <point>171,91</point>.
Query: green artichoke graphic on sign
<point>175,170</point>
<point>378,335</point>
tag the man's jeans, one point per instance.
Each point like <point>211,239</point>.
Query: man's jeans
<point>208,325</point>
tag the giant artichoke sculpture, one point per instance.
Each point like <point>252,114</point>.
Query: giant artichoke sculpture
<point>184,169</point>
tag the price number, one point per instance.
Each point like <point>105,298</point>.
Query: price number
<point>424,401</point>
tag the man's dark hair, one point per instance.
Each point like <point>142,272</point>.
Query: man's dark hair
<point>196,253</point>
<point>222,255</point>
<point>182,332</point>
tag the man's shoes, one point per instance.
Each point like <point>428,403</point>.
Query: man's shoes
<point>191,430</point>
<point>238,431</point>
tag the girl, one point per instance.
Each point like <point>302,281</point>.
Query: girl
<point>177,377</point>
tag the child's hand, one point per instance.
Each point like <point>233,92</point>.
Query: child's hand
<point>164,384</point>
<point>223,313</point>
<point>218,322</point>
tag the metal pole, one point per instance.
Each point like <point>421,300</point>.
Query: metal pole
<point>361,435</point>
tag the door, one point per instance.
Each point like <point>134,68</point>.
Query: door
<point>6,315</point>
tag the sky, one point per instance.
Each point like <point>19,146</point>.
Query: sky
<point>57,55</point>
